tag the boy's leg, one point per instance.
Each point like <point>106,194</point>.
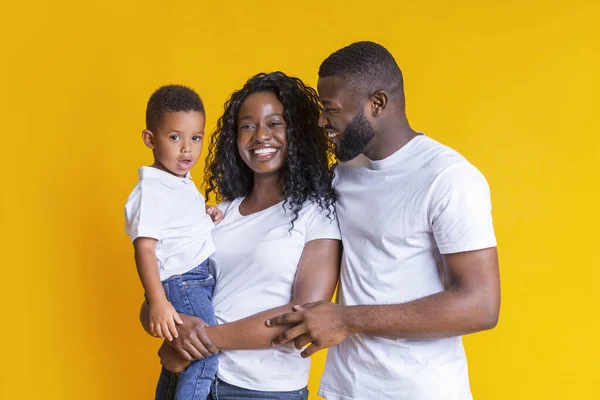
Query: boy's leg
<point>167,383</point>
<point>191,293</point>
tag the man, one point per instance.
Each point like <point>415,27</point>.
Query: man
<point>420,266</point>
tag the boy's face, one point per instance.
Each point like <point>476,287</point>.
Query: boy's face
<point>177,142</point>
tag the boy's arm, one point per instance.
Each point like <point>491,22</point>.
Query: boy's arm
<point>147,266</point>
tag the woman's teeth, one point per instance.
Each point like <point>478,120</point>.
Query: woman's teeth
<point>263,151</point>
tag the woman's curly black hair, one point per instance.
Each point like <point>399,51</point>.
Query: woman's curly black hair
<point>306,174</point>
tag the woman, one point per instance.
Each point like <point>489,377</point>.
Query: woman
<point>277,245</point>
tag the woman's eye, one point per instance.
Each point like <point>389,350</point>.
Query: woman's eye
<point>247,127</point>
<point>275,124</point>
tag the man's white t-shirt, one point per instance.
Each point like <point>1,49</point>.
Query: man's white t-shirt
<point>170,209</point>
<point>397,216</point>
<point>255,266</point>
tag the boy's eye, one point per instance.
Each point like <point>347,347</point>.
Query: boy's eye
<point>197,138</point>
<point>174,137</point>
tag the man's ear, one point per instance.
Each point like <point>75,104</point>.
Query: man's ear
<point>379,101</point>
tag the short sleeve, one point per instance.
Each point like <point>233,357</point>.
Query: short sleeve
<point>145,212</point>
<point>460,210</point>
<point>321,224</point>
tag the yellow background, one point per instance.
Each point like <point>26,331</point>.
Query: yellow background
<point>513,85</point>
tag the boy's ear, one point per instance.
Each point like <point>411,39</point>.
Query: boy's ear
<point>148,138</point>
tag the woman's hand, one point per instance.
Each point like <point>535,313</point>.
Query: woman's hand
<point>193,342</point>
<point>171,360</point>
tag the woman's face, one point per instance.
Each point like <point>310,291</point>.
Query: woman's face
<point>261,137</point>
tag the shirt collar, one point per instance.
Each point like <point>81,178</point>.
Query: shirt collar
<point>170,180</point>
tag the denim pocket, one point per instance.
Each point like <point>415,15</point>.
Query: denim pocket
<point>205,280</point>
<point>199,276</point>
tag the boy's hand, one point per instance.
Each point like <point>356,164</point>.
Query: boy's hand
<point>215,214</point>
<point>163,318</point>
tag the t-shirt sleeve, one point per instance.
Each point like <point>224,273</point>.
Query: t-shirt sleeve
<point>460,210</point>
<point>145,212</point>
<point>321,224</point>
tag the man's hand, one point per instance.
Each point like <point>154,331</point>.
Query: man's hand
<point>193,342</point>
<point>171,360</point>
<point>322,323</point>
<point>215,214</point>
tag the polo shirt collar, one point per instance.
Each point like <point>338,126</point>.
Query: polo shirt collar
<point>170,180</point>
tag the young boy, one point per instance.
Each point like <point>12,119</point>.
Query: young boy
<point>170,229</point>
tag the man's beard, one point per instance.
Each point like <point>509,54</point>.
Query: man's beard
<point>355,138</point>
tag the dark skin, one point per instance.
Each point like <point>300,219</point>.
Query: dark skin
<point>471,301</point>
<point>261,126</point>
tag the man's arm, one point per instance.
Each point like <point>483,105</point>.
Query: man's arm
<point>470,304</point>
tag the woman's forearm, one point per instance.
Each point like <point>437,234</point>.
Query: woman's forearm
<point>248,333</point>
<point>316,279</point>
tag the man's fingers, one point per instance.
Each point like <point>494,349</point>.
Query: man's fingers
<point>310,350</point>
<point>307,306</point>
<point>302,341</point>
<point>290,334</point>
<point>285,319</point>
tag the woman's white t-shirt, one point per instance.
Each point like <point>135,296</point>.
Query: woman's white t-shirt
<point>255,266</point>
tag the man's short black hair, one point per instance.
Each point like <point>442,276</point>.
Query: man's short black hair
<point>171,98</point>
<point>368,65</point>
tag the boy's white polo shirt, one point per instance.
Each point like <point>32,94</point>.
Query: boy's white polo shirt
<point>171,210</point>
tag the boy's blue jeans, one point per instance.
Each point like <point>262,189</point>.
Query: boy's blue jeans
<point>190,293</point>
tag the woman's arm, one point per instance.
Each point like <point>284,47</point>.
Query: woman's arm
<point>316,279</point>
